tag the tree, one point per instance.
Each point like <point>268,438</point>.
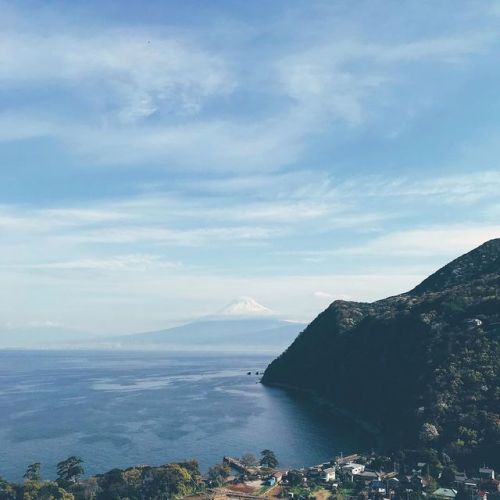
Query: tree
<point>218,473</point>
<point>33,472</point>
<point>447,477</point>
<point>249,459</point>
<point>295,478</point>
<point>268,459</point>
<point>7,490</point>
<point>432,484</point>
<point>36,490</point>
<point>167,481</point>
<point>69,470</point>
<point>428,432</point>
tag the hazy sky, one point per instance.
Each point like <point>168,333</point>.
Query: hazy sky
<point>160,158</point>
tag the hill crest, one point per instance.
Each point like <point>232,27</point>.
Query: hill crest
<point>428,357</point>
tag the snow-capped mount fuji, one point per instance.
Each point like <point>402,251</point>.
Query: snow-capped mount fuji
<point>242,325</point>
<point>245,306</point>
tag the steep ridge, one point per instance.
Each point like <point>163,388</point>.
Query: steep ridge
<point>479,262</point>
<point>423,366</point>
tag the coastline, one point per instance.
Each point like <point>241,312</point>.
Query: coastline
<point>366,425</point>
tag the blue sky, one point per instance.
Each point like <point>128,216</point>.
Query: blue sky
<point>159,159</point>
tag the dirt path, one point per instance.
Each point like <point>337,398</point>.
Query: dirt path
<point>273,492</point>
<point>322,494</point>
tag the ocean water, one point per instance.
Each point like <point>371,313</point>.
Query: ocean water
<point>117,409</point>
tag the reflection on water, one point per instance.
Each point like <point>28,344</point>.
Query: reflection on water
<point>116,409</point>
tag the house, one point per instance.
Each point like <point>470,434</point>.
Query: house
<point>314,472</point>
<point>366,476</point>
<point>271,481</point>
<point>347,459</point>
<point>278,476</point>
<point>296,477</point>
<point>352,469</point>
<point>445,493</point>
<point>470,485</point>
<point>461,479</point>
<point>393,482</point>
<point>490,485</point>
<point>378,486</point>
<point>486,473</point>
<point>328,474</point>
<point>474,323</point>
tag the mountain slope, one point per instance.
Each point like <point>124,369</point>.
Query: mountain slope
<point>243,325</point>
<point>234,334</point>
<point>423,366</point>
<point>481,261</point>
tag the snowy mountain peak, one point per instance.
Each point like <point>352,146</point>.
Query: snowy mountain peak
<point>245,306</point>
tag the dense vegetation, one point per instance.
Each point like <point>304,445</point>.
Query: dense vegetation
<point>143,482</point>
<point>424,366</point>
<point>135,483</point>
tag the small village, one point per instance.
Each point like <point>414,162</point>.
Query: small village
<point>357,476</point>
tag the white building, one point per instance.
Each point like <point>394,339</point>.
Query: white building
<point>351,469</point>
<point>486,473</point>
<point>328,474</point>
<point>445,493</point>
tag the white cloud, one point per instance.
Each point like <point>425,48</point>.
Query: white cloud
<point>324,90</point>
<point>136,73</point>
<point>63,249</point>
<point>19,220</point>
<point>134,262</point>
<point>285,206</point>
<point>126,234</point>
<point>202,145</point>
<point>327,82</point>
<point>181,237</point>
<point>451,240</point>
<point>457,189</point>
<point>237,115</point>
<point>115,80</point>
<point>448,50</point>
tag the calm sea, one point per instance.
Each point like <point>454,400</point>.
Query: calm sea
<point>117,409</point>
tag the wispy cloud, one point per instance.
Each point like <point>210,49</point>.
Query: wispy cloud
<point>461,189</point>
<point>328,80</point>
<point>322,295</point>
<point>143,96</point>
<point>134,262</point>
<point>430,241</point>
<point>166,164</point>
<point>125,75</point>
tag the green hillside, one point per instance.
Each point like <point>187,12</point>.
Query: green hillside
<point>424,366</point>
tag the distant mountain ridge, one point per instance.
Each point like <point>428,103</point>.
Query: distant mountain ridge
<point>423,366</point>
<point>242,325</point>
